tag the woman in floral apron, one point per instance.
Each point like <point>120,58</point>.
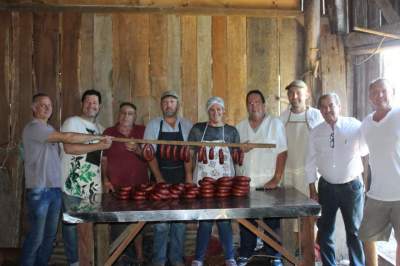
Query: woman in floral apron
<point>215,131</point>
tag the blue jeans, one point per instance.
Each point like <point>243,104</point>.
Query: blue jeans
<point>70,232</point>
<point>248,240</point>
<point>349,198</point>
<point>44,205</point>
<point>175,233</point>
<point>204,234</point>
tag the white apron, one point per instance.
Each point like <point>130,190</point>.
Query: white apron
<point>213,168</point>
<point>297,131</point>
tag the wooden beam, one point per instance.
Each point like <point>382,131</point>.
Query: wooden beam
<point>373,48</point>
<point>356,39</point>
<point>388,11</point>
<point>312,21</point>
<point>337,14</point>
<point>198,10</point>
<point>377,33</point>
<point>270,4</point>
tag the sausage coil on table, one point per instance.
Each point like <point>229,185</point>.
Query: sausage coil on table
<point>226,186</point>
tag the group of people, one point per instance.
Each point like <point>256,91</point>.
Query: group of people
<point>310,145</point>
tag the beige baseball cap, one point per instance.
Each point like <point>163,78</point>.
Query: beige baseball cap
<point>170,93</point>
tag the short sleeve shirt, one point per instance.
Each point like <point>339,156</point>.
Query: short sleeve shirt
<point>383,140</point>
<point>124,167</point>
<point>81,173</point>
<point>153,128</point>
<point>42,158</point>
<point>259,164</point>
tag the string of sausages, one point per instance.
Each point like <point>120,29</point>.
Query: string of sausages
<point>182,153</point>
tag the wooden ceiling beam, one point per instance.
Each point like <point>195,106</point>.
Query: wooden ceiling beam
<point>259,8</point>
<point>274,13</point>
<point>356,39</point>
<point>120,5</point>
<point>388,11</point>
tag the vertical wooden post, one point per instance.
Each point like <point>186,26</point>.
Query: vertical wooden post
<point>307,231</point>
<point>312,28</point>
<point>86,244</point>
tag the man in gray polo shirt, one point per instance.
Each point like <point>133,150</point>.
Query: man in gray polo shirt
<point>43,180</point>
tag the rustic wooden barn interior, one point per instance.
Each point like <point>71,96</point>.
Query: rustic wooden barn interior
<point>134,50</point>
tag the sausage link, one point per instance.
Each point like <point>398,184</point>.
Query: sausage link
<point>211,153</point>
<point>221,156</point>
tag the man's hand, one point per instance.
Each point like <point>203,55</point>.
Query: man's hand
<point>133,147</point>
<point>105,143</point>
<point>108,187</point>
<point>313,192</point>
<point>272,184</point>
<point>245,147</point>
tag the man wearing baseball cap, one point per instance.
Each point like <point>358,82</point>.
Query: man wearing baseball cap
<point>170,126</point>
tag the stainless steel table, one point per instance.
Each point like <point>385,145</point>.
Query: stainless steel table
<point>282,203</point>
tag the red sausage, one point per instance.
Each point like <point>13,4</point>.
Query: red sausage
<point>168,152</point>
<point>182,153</point>
<point>241,157</point>
<point>241,178</point>
<point>209,179</point>
<point>211,153</point>
<point>162,151</point>
<point>187,154</point>
<point>221,156</point>
<point>201,154</point>
<point>175,153</point>
<point>235,156</point>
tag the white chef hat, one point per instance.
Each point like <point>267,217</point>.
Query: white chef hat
<point>215,100</point>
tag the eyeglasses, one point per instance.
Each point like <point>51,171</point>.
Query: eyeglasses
<point>332,140</point>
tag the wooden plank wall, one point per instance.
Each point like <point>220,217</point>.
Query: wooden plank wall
<point>362,69</point>
<point>134,57</point>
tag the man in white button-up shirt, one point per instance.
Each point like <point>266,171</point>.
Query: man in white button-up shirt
<point>335,151</point>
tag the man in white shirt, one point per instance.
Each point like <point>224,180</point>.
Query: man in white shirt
<point>299,119</point>
<point>335,151</point>
<point>381,130</point>
<point>81,175</point>
<point>264,166</point>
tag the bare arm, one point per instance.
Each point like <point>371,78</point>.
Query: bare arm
<point>69,137</point>
<point>189,169</point>
<point>155,169</point>
<point>279,169</point>
<point>365,174</point>
<point>108,187</point>
<point>313,192</point>
<point>77,149</point>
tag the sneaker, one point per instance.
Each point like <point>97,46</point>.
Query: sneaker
<point>242,261</point>
<point>197,263</point>
<point>230,262</point>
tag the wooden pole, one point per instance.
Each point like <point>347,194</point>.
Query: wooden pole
<point>195,143</point>
<point>312,23</point>
<point>378,33</point>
